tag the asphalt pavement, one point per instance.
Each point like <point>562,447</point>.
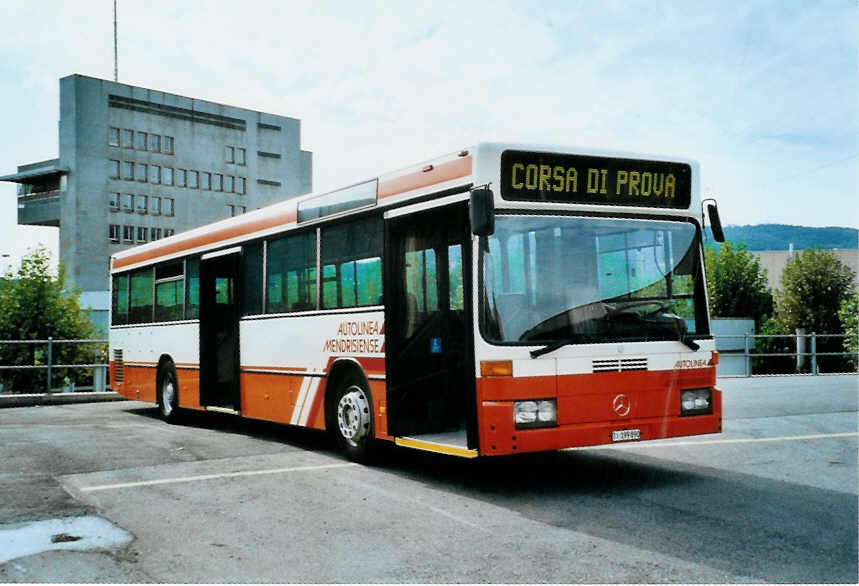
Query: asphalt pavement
<point>218,499</point>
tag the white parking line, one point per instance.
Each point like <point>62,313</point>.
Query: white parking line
<point>213,476</point>
<point>751,440</point>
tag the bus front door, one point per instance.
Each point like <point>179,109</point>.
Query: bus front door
<point>219,331</point>
<point>429,365</point>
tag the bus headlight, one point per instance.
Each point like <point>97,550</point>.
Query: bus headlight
<point>696,402</point>
<point>541,413</point>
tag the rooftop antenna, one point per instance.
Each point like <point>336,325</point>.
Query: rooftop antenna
<point>115,58</point>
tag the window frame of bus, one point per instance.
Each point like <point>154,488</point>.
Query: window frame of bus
<point>373,251</point>
<point>140,317</point>
<point>116,297</point>
<point>166,274</point>
<point>701,309</point>
<point>289,241</point>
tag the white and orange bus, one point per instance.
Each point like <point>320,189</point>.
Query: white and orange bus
<point>498,300</point>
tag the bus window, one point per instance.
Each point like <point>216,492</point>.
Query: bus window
<point>252,279</point>
<point>119,300</point>
<point>169,281</point>
<point>454,268</point>
<point>192,288</point>
<point>291,274</point>
<point>352,264</point>
<point>168,301</point>
<point>140,310</point>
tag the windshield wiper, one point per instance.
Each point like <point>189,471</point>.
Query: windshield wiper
<point>555,345</point>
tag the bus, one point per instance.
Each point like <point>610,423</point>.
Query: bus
<point>501,299</point>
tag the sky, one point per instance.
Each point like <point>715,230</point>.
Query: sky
<point>763,93</point>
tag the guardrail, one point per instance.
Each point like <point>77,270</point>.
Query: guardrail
<point>811,353</point>
<point>51,357</point>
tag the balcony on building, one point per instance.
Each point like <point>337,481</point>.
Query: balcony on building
<point>40,186</point>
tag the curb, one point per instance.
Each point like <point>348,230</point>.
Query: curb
<point>36,399</point>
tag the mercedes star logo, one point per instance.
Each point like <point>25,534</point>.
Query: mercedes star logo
<point>621,405</point>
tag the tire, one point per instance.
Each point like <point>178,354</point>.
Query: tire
<point>351,419</point>
<point>168,392</point>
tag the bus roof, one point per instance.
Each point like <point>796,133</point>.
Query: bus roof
<point>447,172</point>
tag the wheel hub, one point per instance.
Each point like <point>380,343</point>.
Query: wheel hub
<point>353,415</point>
<point>168,392</point>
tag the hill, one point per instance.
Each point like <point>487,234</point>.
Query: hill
<point>780,236</point>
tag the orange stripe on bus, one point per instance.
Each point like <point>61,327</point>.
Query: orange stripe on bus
<point>440,173</point>
<point>182,243</point>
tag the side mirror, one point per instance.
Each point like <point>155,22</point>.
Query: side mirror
<point>715,222</point>
<point>482,212</point>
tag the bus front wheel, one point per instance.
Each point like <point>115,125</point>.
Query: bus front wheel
<point>352,419</point>
<point>168,392</point>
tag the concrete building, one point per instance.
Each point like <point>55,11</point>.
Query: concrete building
<point>137,165</point>
<point>774,262</point>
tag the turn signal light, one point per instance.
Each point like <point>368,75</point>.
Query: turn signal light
<point>715,358</point>
<point>496,368</point>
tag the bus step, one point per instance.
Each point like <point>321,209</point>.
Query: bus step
<point>453,443</point>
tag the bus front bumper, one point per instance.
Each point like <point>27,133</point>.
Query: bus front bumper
<point>499,435</point>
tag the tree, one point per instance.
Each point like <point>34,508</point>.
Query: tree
<point>737,284</point>
<point>34,305</point>
<point>813,286</point>
<point>849,316</point>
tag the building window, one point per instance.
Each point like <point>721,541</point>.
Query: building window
<point>113,232</point>
<point>180,178</point>
<point>155,233</point>
<point>113,203</point>
<point>167,176</point>
<point>230,211</point>
<point>229,183</point>
<point>155,208</point>
<point>205,181</point>
<point>128,203</point>
<point>218,184</point>
<point>113,136</point>
<point>141,234</point>
<point>240,156</point>
<point>240,185</point>
<point>142,170</point>
<point>230,154</point>
<point>128,233</point>
<point>241,209</point>
<point>127,138</point>
<point>155,143</point>
<point>113,169</point>
<point>140,144</point>
<point>169,232</point>
<point>168,206</point>
<point>128,170</point>
<point>193,179</point>
<point>154,173</point>
<point>168,145</point>
<point>142,202</point>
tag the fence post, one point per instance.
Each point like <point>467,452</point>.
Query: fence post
<point>748,358</point>
<point>50,360</point>
<point>813,353</point>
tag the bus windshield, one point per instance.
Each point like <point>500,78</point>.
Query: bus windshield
<point>591,279</point>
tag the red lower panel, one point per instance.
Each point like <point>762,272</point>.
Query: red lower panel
<point>591,406</point>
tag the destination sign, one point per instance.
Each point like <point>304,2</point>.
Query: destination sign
<point>551,177</point>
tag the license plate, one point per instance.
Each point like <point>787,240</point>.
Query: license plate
<point>625,435</point>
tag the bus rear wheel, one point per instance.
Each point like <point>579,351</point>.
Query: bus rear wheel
<point>168,392</point>
<point>352,419</point>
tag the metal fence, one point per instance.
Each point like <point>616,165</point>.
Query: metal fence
<point>45,367</point>
<point>772,354</point>
<point>50,366</point>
